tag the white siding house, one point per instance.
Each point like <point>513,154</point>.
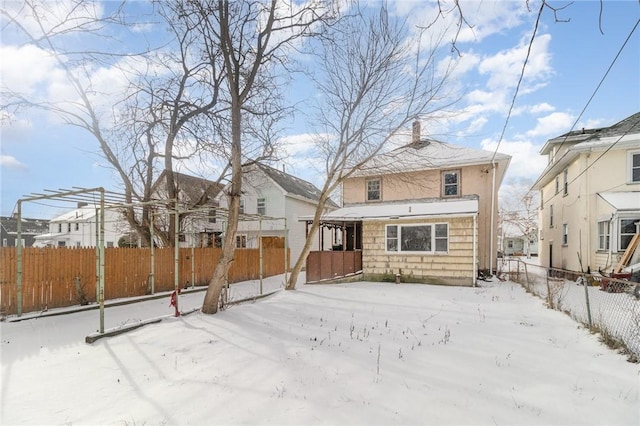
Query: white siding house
<point>77,228</point>
<point>590,196</point>
<point>280,199</point>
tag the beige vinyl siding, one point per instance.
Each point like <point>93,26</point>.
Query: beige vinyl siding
<point>454,267</point>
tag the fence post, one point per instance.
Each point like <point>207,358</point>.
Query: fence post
<point>586,298</point>
<point>19,261</point>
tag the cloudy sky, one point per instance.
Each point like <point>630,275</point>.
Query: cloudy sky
<point>582,71</point>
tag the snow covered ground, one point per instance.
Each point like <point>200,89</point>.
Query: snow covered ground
<point>361,353</point>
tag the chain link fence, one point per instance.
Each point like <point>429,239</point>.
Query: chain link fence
<point>609,306</point>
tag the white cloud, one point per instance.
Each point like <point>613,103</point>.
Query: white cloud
<point>552,125</point>
<point>11,162</point>
<point>526,161</point>
<point>504,68</point>
<point>24,68</point>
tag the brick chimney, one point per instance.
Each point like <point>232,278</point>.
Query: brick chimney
<point>415,135</point>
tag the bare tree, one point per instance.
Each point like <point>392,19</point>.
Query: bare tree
<point>161,113</point>
<point>376,77</point>
<point>519,213</point>
<point>254,39</point>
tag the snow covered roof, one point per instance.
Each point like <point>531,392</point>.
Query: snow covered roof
<point>622,200</point>
<point>79,214</point>
<point>404,210</point>
<point>427,155</point>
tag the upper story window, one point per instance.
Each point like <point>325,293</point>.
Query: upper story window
<point>557,184</point>
<point>374,189</point>
<point>77,226</point>
<point>69,227</point>
<point>262,206</point>
<point>551,216</point>
<point>565,234</point>
<point>565,184</point>
<point>451,183</point>
<point>59,227</point>
<point>241,205</point>
<point>634,166</point>
<point>241,241</point>
<point>212,216</point>
<point>541,199</point>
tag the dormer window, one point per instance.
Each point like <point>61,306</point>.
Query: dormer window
<point>451,183</point>
<point>374,189</point>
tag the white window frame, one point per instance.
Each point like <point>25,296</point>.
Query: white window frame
<point>565,234</point>
<point>631,155</point>
<point>241,241</point>
<point>557,184</point>
<point>435,243</point>
<point>261,206</point>
<point>604,234</point>
<point>241,208</point>
<point>565,183</point>
<point>627,234</point>
<point>212,215</point>
<point>551,216</point>
<point>369,190</point>
<point>446,185</point>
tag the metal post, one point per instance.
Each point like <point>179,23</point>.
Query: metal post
<point>585,283</point>
<point>152,280</point>
<point>19,265</point>
<point>286,243</point>
<point>97,256</point>
<point>260,249</point>
<point>193,260</point>
<point>176,254</point>
<point>101,260</point>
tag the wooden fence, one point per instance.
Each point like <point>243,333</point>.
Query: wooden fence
<point>58,277</point>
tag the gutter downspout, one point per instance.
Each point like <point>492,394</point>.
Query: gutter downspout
<point>493,202</point>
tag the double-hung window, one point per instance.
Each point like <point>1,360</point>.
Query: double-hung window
<point>451,183</point>
<point>417,238</point>
<point>241,241</point>
<point>262,206</point>
<point>565,182</point>
<point>603,235</point>
<point>634,166</point>
<point>551,216</point>
<point>374,189</point>
<point>565,234</point>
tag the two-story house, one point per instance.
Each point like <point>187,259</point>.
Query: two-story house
<point>590,196</point>
<point>425,212</point>
<point>77,228</point>
<point>200,225</point>
<point>270,205</point>
<point>29,229</point>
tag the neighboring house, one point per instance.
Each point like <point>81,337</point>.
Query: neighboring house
<point>201,227</point>
<point>77,228</point>
<point>521,245</point>
<point>590,196</point>
<point>29,229</point>
<point>271,202</point>
<point>425,212</point>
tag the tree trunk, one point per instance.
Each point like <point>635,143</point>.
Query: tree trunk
<point>302,259</point>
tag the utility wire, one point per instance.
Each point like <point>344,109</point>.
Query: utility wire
<point>515,94</point>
